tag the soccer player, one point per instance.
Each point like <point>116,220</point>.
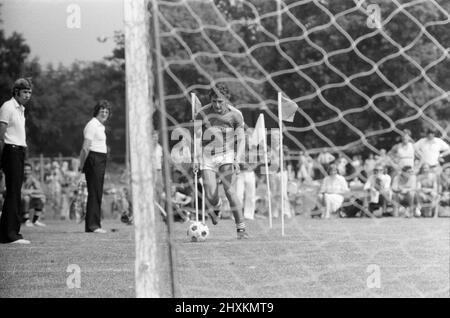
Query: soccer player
<point>220,162</point>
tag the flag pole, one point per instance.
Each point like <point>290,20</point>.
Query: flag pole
<point>280,121</point>
<point>195,157</point>
<point>266,164</point>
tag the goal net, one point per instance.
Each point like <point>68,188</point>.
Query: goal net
<point>360,71</point>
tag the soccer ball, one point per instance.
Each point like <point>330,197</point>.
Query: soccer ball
<point>197,232</point>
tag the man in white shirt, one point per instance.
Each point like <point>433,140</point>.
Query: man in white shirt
<point>93,164</point>
<point>431,150</point>
<point>378,187</point>
<point>12,153</point>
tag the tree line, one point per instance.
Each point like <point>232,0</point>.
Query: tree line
<point>63,96</point>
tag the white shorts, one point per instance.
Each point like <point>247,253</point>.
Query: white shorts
<point>214,162</point>
<point>333,201</point>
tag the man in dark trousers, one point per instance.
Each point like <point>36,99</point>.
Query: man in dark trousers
<point>12,154</point>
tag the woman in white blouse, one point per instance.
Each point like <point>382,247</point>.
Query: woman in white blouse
<point>93,164</point>
<point>332,192</point>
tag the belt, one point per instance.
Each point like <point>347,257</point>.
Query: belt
<point>15,147</point>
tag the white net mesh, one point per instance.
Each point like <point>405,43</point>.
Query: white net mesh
<point>360,71</point>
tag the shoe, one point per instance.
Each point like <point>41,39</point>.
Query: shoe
<point>28,223</point>
<point>242,234</point>
<point>38,223</point>
<point>100,231</point>
<point>21,241</point>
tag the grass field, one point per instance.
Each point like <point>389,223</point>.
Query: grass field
<point>316,258</point>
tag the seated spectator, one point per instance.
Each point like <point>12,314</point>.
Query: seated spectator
<point>181,197</point>
<point>78,204</point>
<point>33,198</point>
<point>444,192</point>
<point>331,194</point>
<point>125,206</point>
<point>378,187</point>
<point>180,203</point>
<point>427,191</point>
<point>404,189</point>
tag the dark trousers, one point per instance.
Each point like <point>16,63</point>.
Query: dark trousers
<point>94,169</point>
<point>12,165</point>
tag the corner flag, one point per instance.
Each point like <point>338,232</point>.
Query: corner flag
<point>288,109</point>
<point>258,136</point>
<point>196,105</point>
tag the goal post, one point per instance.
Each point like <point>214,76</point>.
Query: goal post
<point>139,103</point>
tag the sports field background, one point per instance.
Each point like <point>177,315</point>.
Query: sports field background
<point>316,258</point>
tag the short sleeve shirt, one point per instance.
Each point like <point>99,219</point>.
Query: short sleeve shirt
<point>336,185</point>
<point>13,115</point>
<point>225,124</point>
<point>430,151</point>
<point>95,132</point>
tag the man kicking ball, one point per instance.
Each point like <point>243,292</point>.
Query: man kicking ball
<point>220,162</point>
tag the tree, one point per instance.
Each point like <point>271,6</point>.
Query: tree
<point>13,53</point>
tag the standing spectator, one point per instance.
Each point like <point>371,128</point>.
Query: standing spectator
<point>341,163</point>
<point>332,192</point>
<point>431,150</point>
<point>12,154</point>
<point>275,179</point>
<point>404,188</point>
<point>33,198</point>
<point>356,164</point>
<point>444,192</point>
<point>403,153</point>
<point>55,188</point>
<point>93,164</point>
<point>157,167</point>
<point>324,159</point>
<point>385,160</point>
<point>427,191</point>
<point>246,186</point>
<point>305,168</point>
<point>369,165</point>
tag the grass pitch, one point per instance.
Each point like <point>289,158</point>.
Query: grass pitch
<point>389,257</point>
